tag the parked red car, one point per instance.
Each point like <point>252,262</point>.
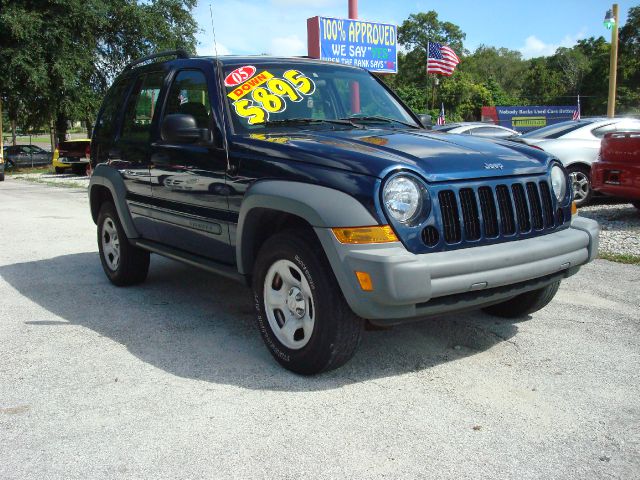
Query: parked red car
<point>617,171</point>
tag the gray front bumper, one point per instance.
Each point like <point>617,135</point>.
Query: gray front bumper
<point>408,285</point>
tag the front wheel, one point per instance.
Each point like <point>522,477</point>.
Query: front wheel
<point>525,303</point>
<point>123,263</point>
<point>581,182</point>
<point>302,315</point>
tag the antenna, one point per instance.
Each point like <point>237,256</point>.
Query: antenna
<point>213,30</point>
<point>220,91</point>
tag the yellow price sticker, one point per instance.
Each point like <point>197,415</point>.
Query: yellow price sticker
<point>240,91</point>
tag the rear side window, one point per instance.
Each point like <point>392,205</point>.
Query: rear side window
<point>141,107</point>
<point>110,108</point>
<point>556,130</point>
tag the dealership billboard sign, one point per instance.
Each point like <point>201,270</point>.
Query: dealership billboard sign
<point>527,118</point>
<point>372,46</point>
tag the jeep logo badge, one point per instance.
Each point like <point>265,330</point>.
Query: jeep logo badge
<point>493,166</point>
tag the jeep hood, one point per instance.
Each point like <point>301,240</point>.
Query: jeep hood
<point>374,151</point>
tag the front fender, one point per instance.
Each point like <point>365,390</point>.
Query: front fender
<point>319,206</point>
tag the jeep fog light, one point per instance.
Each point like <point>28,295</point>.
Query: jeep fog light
<point>558,182</point>
<point>402,198</point>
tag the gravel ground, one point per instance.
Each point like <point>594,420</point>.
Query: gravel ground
<point>170,379</point>
<point>620,222</point>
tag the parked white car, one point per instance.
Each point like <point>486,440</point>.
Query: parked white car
<point>577,144</point>
<point>478,129</point>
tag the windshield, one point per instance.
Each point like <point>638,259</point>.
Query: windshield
<point>556,130</point>
<point>270,96</point>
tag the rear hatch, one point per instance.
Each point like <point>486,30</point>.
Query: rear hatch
<point>75,149</point>
<point>623,147</point>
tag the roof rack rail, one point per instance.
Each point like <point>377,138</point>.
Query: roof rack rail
<point>180,53</point>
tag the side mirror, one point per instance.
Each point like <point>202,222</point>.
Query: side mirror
<point>425,119</point>
<point>182,128</point>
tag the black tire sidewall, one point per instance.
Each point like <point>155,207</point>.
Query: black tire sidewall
<point>317,353</point>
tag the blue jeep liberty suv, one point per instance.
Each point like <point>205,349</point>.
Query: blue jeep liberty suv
<point>266,170</point>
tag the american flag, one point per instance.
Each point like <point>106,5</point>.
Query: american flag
<point>441,120</point>
<point>441,59</point>
<point>576,114</point>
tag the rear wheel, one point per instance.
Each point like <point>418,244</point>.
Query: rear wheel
<point>302,315</point>
<point>525,303</point>
<point>59,170</point>
<point>581,182</point>
<point>123,263</point>
<point>79,169</point>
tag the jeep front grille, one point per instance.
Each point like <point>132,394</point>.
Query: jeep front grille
<point>468,213</point>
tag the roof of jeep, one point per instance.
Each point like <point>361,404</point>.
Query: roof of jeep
<point>262,59</point>
<point>232,60</point>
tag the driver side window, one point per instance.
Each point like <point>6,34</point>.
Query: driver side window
<point>189,95</point>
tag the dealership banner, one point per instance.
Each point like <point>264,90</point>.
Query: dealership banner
<point>527,118</point>
<point>354,42</point>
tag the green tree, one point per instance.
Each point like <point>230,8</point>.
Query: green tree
<point>414,35</point>
<point>500,65</point>
<point>629,63</point>
<point>60,56</point>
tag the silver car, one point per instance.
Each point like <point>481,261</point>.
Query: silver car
<point>478,129</point>
<point>577,144</point>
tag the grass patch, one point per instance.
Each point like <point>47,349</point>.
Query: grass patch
<point>27,170</point>
<point>620,258</point>
<point>50,183</point>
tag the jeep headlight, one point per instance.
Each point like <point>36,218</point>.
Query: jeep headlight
<point>402,198</point>
<point>558,182</point>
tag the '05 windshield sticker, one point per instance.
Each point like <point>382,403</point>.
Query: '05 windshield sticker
<point>255,82</point>
<point>240,75</point>
<point>270,94</point>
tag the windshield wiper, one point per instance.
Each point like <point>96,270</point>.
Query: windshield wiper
<point>377,118</point>
<point>308,121</point>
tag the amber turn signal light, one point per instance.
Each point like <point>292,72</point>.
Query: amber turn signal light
<point>574,209</point>
<point>375,234</point>
<point>364,279</point>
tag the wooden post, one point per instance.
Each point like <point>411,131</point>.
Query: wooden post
<point>613,65</point>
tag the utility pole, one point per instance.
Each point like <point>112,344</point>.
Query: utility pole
<point>613,64</point>
<point>355,86</point>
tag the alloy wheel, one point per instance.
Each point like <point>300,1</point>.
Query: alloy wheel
<point>289,304</point>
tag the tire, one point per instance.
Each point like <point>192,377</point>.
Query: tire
<point>636,204</point>
<point>525,303</point>
<point>123,263</point>
<point>581,183</point>
<point>2,177</point>
<point>328,332</point>
<point>80,170</point>
<point>59,170</point>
